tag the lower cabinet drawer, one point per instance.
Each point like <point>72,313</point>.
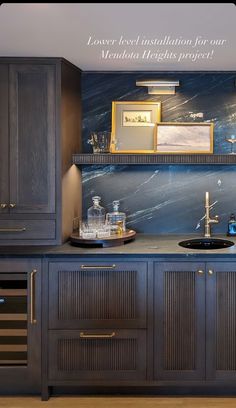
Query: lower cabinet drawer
<point>97,355</point>
<point>26,229</point>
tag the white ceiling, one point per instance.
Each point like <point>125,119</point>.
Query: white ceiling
<point>63,30</point>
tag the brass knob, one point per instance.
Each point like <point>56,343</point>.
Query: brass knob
<point>200,272</point>
<point>3,205</point>
<point>210,272</point>
<point>12,205</point>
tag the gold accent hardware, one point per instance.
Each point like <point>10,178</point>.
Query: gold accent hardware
<point>12,205</point>
<point>210,272</point>
<point>208,219</point>
<point>12,229</point>
<point>96,336</point>
<point>3,205</point>
<point>32,291</point>
<point>98,266</point>
<point>200,272</point>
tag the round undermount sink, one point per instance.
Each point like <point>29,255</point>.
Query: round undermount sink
<point>206,243</point>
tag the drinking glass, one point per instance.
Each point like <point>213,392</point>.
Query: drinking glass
<point>231,139</point>
<point>104,231</point>
<point>86,231</point>
<point>100,141</point>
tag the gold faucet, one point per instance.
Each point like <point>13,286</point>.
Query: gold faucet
<point>208,220</point>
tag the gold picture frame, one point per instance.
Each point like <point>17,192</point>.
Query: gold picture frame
<point>184,138</point>
<point>133,126</point>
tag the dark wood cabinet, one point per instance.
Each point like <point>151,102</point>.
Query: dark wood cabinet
<point>221,321</point>
<point>4,140</point>
<point>97,322</point>
<point>189,297</point>
<point>179,321</point>
<point>32,134</point>
<point>99,355</point>
<point>40,120</point>
<point>20,326</point>
<point>97,294</point>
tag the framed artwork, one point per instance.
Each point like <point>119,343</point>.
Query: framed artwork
<point>174,137</point>
<point>133,126</point>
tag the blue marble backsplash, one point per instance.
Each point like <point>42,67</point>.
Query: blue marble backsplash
<point>167,198</point>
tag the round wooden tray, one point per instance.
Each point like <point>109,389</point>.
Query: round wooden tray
<point>113,240</point>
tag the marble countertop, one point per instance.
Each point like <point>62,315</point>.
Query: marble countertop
<point>149,245</point>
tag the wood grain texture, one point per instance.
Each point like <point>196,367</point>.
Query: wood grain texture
<point>32,138</point>
<point>71,134</point>
<point>179,318</point>
<point>179,321</point>
<point>221,321</point>
<point>4,138</point>
<point>97,297</point>
<point>122,357</point>
<point>226,321</point>
<point>86,158</point>
<point>118,402</point>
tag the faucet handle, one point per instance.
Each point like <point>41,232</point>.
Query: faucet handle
<point>215,219</point>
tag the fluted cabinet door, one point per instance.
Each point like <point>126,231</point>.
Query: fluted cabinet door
<point>97,294</point>
<point>221,320</point>
<point>32,138</point>
<point>179,315</point>
<point>97,355</point>
<point>4,140</point>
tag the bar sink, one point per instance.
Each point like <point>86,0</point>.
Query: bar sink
<point>206,243</point>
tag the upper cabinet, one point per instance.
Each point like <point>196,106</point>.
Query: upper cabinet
<point>32,137</point>
<point>39,130</point>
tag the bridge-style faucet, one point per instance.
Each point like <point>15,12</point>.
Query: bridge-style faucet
<point>208,220</point>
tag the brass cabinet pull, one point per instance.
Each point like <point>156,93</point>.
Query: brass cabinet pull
<point>96,336</point>
<point>32,291</point>
<point>200,272</point>
<point>210,272</point>
<point>12,205</point>
<point>12,229</point>
<point>3,205</point>
<point>97,266</point>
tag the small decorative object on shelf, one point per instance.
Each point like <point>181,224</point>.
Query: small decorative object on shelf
<point>116,219</point>
<point>100,141</point>
<point>133,126</point>
<point>231,139</point>
<point>184,138</point>
<point>102,229</point>
<point>96,214</point>
<point>232,226</point>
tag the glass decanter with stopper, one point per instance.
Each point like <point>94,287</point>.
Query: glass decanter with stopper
<point>116,219</point>
<point>96,214</point>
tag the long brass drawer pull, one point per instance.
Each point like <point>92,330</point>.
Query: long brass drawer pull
<point>32,291</point>
<point>3,205</point>
<point>12,205</point>
<point>12,229</point>
<point>98,266</point>
<point>96,336</point>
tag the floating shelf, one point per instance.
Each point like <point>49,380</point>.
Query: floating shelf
<point>86,159</point>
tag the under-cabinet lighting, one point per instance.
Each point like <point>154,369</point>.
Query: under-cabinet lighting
<point>159,86</point>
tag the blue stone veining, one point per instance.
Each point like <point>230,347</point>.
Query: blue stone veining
<point>164,199</point>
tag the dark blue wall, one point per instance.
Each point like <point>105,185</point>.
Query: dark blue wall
<point>163,199</point>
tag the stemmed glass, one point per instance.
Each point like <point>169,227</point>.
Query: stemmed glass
<point>231,139</point>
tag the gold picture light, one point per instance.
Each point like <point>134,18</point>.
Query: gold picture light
<point>159,86</point>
